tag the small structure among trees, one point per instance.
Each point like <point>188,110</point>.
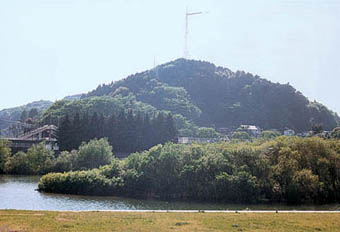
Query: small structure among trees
<point>46,133</point>
<point>250,129</point>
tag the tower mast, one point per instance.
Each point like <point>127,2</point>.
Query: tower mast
<point>186,33</point>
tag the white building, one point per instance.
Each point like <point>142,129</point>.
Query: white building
<point>250,129</point>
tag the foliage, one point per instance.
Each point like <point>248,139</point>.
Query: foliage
<point>40,160</point>
<point>65,161</point>
<point>94,154</point>
<point>241,135</point>
<point>269,134</point>
<point>205,132</point>
<point>126,131</point>
<point>37,160</point>
<point>286,169</point>
<point>335,133</point>
<point>317,128</point>
<point>79,182</point>
<point>106,105</point>
<point>5,152</point>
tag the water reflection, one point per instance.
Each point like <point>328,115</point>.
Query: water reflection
<point>18,192</point>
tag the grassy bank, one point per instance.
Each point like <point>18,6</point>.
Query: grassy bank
<point>12,220</point>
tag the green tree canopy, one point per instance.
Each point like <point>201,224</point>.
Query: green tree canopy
<point>5,152</point>
<point>93,154</point>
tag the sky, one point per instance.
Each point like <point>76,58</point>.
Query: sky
<point>53,48</point>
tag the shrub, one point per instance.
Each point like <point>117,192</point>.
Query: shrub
<point>80,182</point>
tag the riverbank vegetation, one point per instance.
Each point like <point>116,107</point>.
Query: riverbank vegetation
<point>39,160</point>
<point>286,169</point>
<point>12,220</point>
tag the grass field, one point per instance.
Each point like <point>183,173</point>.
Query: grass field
<point>12,220</point>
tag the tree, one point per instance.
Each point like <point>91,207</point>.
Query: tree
<point>170,128</point>
<point>241,135</point>
<point>65,161</point>
<point>93,154</point>
<point>85,133</point>
<point>38,160</point>
<point>335,133</point>
<point>269,134</point>
<point>93,126</point>
<point>110,130</point>
<point>23,116</point>
<point>65,139</point>
<point>76,128</point>
<point>206,132</point>
<point>317,128</point>
<point>5,153</point>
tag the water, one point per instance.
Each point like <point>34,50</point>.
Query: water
<point>19,192</point>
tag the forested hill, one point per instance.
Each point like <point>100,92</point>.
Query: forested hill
<point>217,97</point>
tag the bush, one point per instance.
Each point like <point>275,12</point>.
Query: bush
<point>80,182</point>
<point>66,161</point>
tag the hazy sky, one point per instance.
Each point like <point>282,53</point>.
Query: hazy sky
<point>53,48</point>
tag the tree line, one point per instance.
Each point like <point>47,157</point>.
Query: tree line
<point>126,131</point>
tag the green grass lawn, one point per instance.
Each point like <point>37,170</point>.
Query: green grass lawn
<point>12,220</point>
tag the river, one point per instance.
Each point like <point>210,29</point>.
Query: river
<point>19,192</point>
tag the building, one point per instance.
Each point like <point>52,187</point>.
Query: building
<point>47,134</point>
<point>250,129</point>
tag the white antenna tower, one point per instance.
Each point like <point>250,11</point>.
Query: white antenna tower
<point>187,14</point>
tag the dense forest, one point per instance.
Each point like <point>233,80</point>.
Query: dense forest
<point>125,131</point>
<point>285,169</point>
<point>217,97</point>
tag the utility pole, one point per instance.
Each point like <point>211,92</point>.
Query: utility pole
<point>187,14</point>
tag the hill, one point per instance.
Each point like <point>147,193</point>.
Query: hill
<point>218,97</point>
<point>14,114</point>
